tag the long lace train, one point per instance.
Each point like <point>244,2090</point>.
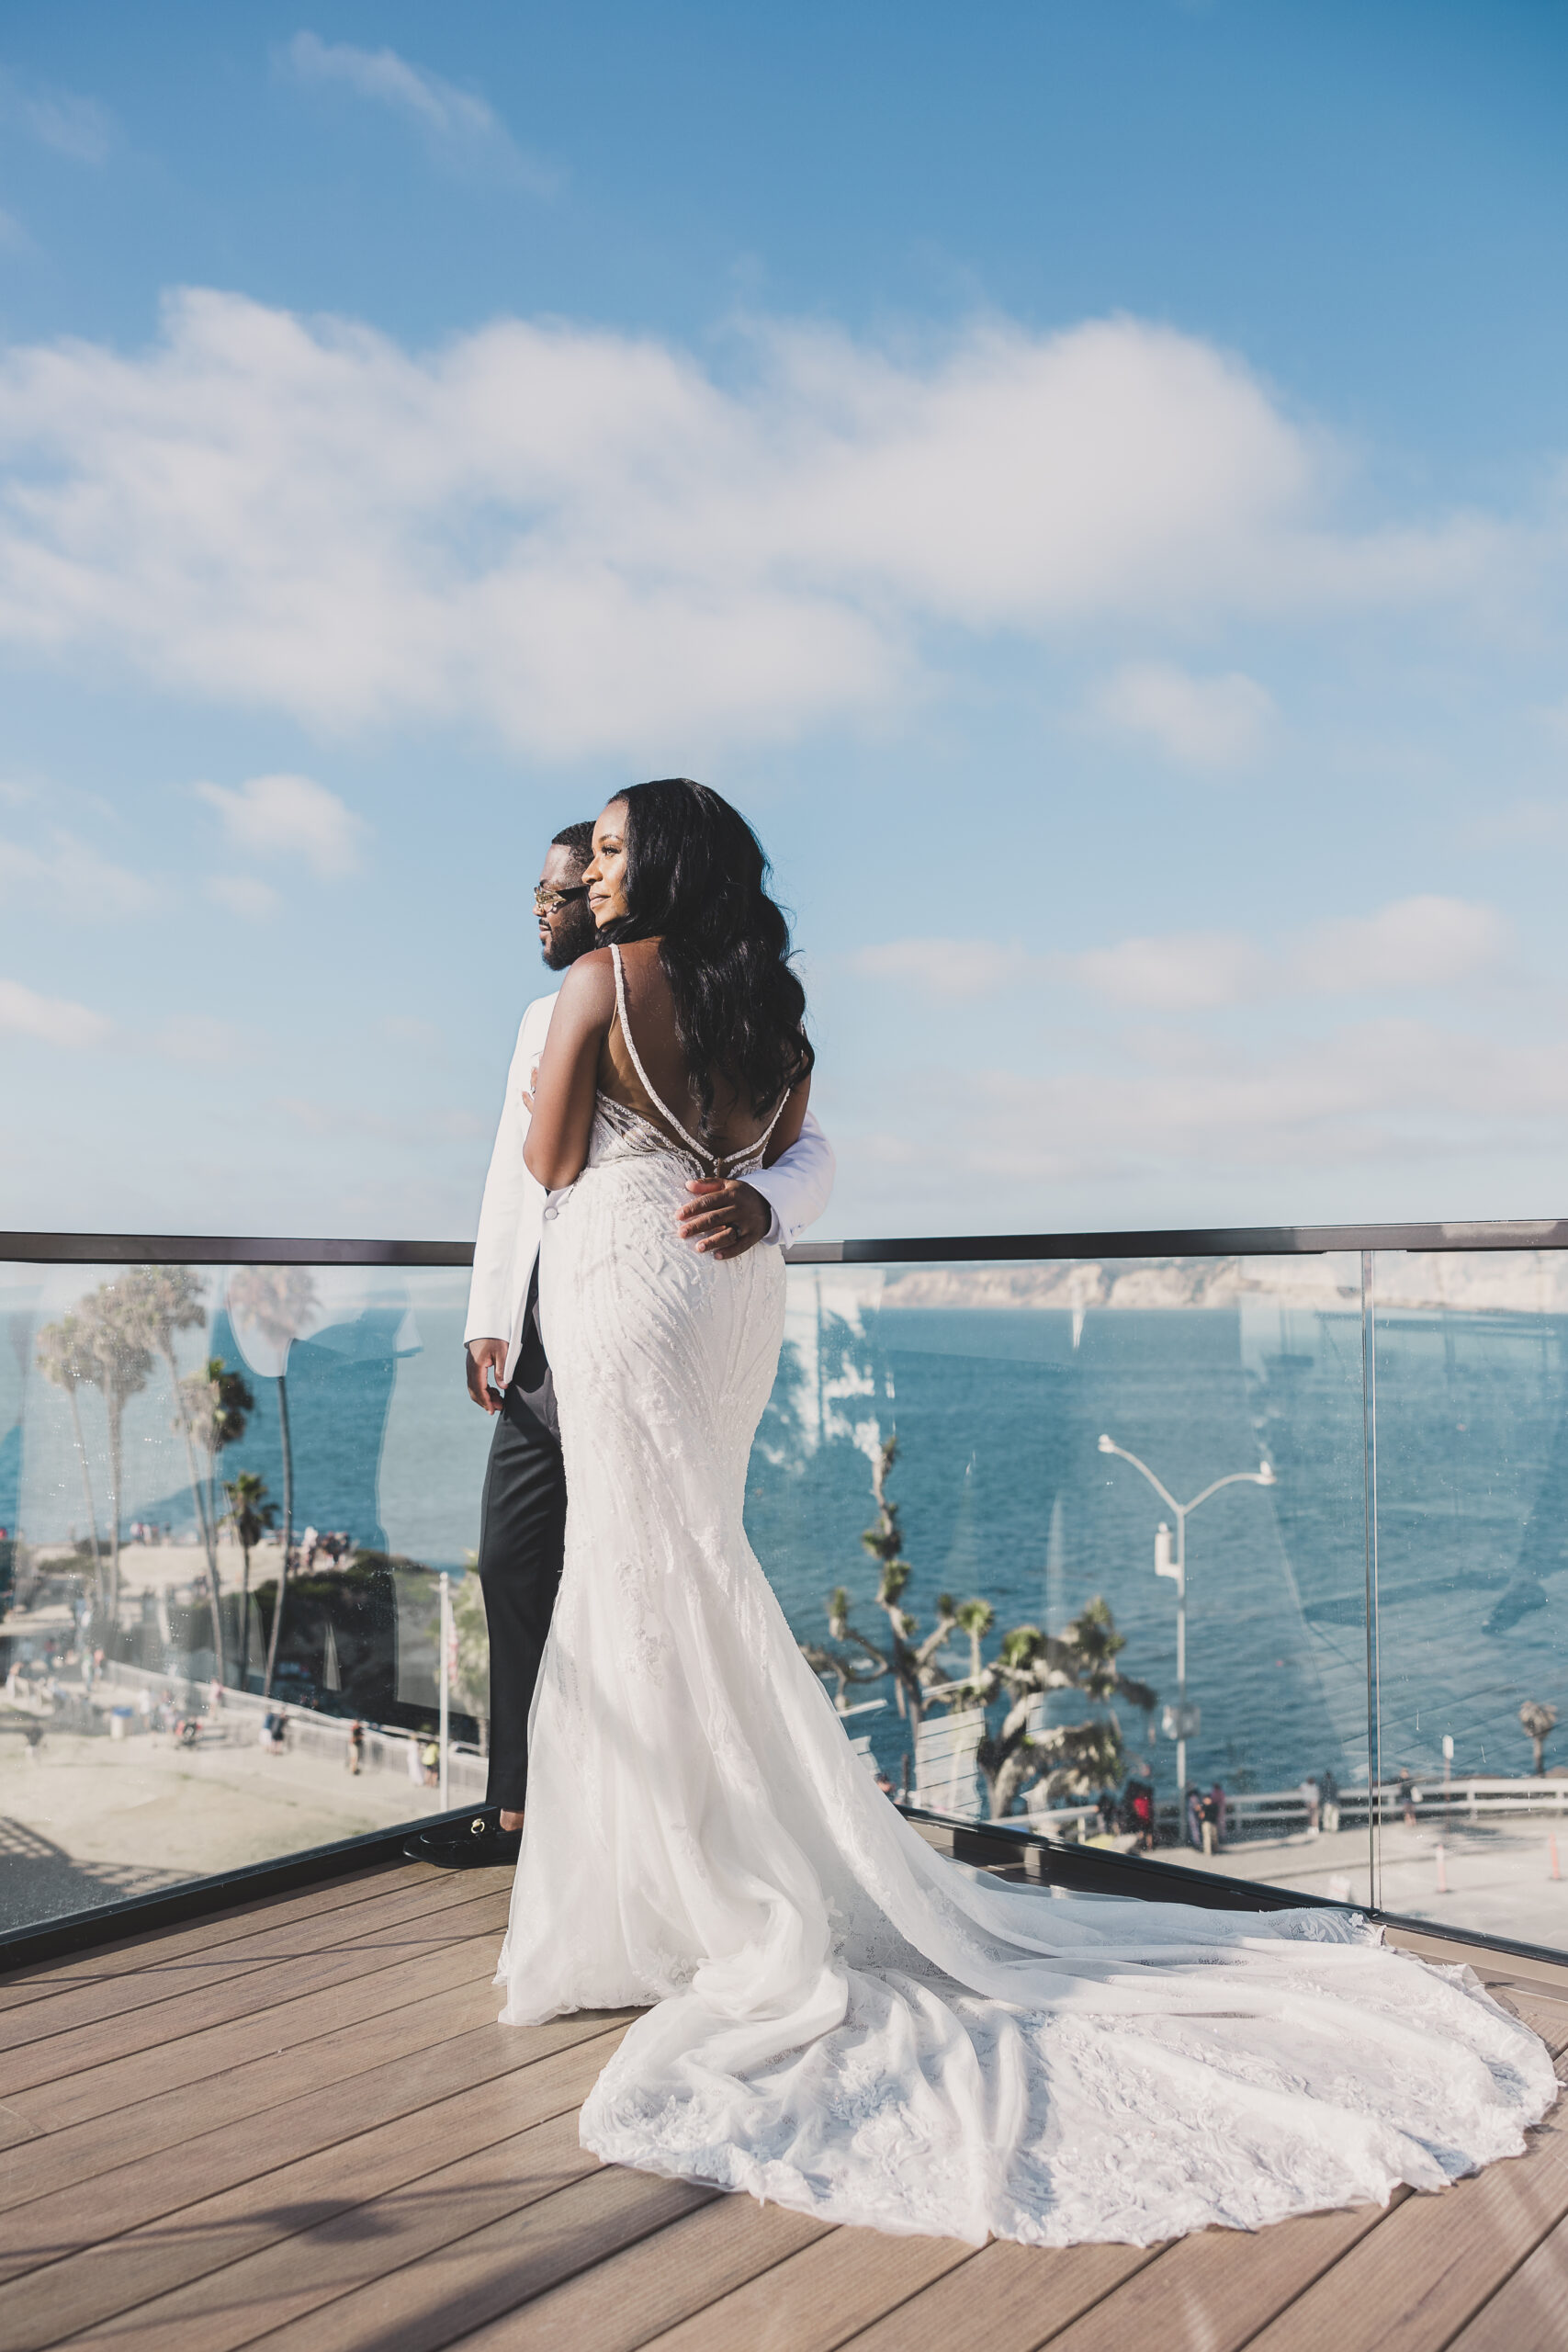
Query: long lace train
<point>840,2021</point>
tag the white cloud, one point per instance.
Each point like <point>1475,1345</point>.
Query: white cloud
<point>72,126</point>
<point>597,545</point>
<point>456,123</point>
<point>1185,972</point>
<point>289,815</point>
<point>1219,723</point>
<point>1414,944</point>
<point>949,967</point>
<point>244,896</point>
<point>52,1019</point>
<point>1381,1090</point>
<point>70,873</point>
<point>1422,943</point>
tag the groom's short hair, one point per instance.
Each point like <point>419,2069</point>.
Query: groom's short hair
<point>578,838</point>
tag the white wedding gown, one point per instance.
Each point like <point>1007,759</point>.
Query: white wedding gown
<point>838,2019</point>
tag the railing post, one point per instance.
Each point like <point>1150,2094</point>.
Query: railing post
<point>445,1678</point>
<point>1369,1462</point>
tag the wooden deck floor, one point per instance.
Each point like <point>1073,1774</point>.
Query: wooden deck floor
<point>299,2125</point>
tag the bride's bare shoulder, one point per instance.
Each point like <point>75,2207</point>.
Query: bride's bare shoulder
<point>588,991</point>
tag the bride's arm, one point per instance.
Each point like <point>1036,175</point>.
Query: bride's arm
<point>569,1073</point>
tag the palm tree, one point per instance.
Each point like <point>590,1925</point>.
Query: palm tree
<point>118,1362</point>
<point>215,1403</point>
<point>170,1300</point>
<point>65,1358</point>
<point>251,1513</point>
<point>1540,1722</point>
<point>280,1301</point>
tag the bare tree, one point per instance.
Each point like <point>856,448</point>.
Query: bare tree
<point>912,1661</point>
<point>852,1671</point>
<point>65,1357</point>
<point>1540,1722</point>
<point>908,1659</point>
<point>280,1301</point>
<point>1073,1759</point>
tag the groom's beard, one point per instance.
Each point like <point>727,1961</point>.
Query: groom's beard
<point>571,937</point>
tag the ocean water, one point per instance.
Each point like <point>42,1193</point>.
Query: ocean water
<point>1001,1489</point>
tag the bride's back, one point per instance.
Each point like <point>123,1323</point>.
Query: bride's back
<point>734,1126</point>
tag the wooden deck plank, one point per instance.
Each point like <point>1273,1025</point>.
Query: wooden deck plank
<point>284,2025</point>
<point>1011,2298</point>
<point>226,2309</point>
<point>1529,2310</point>
<point>496,2270</point>
<point>1413,2282</point>
<point>92,2285</point>
<point>247,1994</point>
<point>215,1988</point>
<point>89,2006</point>
<point>64,2160</point>
<point>68,2223</point>
<point>184,2194</point>
<point>820,2297</point>
<point>1219,2288</point>
<point>629,2297</point>
<point>145,1948</point>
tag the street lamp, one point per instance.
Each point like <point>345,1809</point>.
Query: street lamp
<point>1185,1721</point>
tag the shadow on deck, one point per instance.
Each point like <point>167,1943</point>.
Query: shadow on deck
<point>297,2124</point>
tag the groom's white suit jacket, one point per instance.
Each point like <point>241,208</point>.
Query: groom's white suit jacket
<point>795,1188</point>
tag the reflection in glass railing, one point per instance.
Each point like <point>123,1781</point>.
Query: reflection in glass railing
<point>1008,1636</point>
<point>1471,1418</point>
<point>1087,1544</point>
<point>227,1499</point>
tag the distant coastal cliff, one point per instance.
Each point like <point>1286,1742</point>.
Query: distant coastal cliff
<point>1524,1281</point>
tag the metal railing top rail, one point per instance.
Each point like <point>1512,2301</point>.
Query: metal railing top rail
<point>1191,1242</point>
<point>1177,1241</point>
<point>220,1249</point>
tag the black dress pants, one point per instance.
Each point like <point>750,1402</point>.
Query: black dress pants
<point>522,1540</point>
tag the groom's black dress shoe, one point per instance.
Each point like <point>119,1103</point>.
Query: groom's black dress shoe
<point>480,1844</point>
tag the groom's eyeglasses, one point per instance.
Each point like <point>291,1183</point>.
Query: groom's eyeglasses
<point>546,901</point>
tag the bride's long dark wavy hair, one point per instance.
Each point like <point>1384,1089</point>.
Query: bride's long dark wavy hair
<point>696,882</point>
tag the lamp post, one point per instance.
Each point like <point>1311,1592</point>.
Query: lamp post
<point>445,1683</point>
<point>1165,1566</point>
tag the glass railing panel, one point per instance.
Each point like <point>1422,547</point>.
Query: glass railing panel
<point>161,1719</point>
<point>1471,1395</point>
<point>999,1383</point>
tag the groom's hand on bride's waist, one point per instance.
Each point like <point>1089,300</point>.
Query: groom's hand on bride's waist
<point>724,1220</point>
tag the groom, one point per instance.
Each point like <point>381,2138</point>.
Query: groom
<point>522,1511</point>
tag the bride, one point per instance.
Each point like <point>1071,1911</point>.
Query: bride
<point>837,2019</point>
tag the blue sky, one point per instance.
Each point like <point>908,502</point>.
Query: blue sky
<point>1088,481</point>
